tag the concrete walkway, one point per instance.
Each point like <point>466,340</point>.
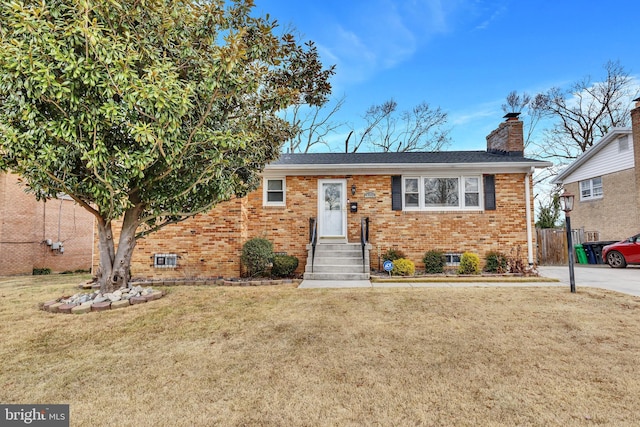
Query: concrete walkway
<point>625,280</point>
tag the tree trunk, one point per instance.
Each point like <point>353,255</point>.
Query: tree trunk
<point>115,262</point>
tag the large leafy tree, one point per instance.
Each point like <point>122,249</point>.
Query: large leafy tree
<point>146,111</point>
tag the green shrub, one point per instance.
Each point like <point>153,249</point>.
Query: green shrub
<point>41,271</point>
<point>469,264</point>
<point>496,262</point>
<point>257,254</point>
<point>434,261</point>
<point>403,267</point>
<point>393,254</point>
<point>284,265</point>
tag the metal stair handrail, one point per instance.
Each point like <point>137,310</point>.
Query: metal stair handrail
<point>364,239</point>
<point>313,237</point>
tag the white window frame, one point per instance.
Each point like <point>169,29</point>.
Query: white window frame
<point>404,192</point>
<point>589,190</point>
<point>461,193</point>
<point>265,191</point>
<point>623,143</point>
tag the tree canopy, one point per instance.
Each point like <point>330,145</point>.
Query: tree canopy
<point>146,110</point>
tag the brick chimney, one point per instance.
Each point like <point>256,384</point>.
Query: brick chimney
<point>635,128</point>
<point>508,138</point>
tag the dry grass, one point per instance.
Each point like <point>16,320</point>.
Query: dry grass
<point>280,356</point>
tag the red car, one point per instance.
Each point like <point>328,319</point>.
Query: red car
<point>618,255</point>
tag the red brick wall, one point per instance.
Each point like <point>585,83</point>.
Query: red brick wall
<point>25,224</point>
<point>451,231</point>
<point>209,245</point>
<point>287,227</point>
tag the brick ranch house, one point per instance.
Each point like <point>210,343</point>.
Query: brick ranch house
<point>26,226</point>
<point>454,201</point>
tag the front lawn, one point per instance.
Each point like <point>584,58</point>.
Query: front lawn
<point>281,356</point>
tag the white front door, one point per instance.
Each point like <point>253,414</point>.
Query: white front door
<point>332,208</point>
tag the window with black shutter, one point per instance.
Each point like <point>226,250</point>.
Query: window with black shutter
<point>396,193</point>
<point>490,192</point>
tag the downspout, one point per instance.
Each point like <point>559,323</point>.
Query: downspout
<point>527,197</point>
<point>93,245</point>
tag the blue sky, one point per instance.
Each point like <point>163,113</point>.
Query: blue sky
<point>462,55</point>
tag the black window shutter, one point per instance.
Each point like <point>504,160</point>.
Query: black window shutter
<point>489,192</point>
<point>396,193</point>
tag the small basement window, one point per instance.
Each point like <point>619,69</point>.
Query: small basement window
<point>165,260</point>
<point>452,260</point>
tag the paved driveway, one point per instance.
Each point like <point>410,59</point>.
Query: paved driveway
<point>625,280</point>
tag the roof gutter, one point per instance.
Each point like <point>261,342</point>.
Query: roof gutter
<point>396,168</point>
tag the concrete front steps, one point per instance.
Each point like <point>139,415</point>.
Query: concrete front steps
<point>338,261</point>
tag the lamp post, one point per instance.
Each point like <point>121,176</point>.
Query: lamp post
<point>566,201</point>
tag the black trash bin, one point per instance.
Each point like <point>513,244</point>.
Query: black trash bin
<point>597,249</point>
<point>588,249</point>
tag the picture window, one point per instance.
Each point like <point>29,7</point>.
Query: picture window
<point>438,193</point>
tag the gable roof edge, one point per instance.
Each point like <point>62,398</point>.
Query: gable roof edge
<point>584,157</point>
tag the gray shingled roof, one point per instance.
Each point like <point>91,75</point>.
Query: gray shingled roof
<point>399,158</point>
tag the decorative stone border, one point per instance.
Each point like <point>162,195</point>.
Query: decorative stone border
<point>216,282</point>
<point>61,305</point>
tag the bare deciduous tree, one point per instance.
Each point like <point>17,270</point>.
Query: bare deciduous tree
<point>375,115</point>
<point>516,103</point>
<point>586,112</point>
<point>312,125</point>
<point>531,111</point>
<point>420,129</point>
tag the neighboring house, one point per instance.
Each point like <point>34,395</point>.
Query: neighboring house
<point>57,235</point>
<point>606,183</point>
<point>454,201</point>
